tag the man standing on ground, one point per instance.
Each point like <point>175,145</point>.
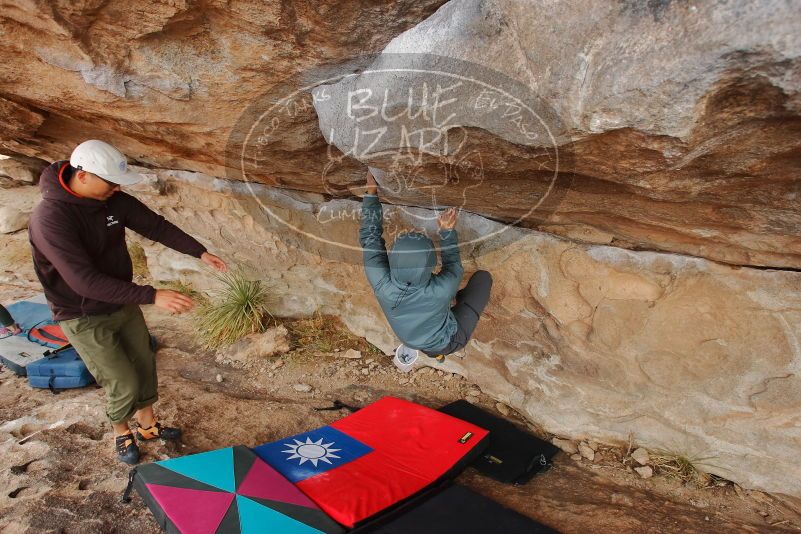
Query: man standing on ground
<point>80,256</point>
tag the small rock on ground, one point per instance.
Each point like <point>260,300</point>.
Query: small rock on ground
<point>352,354</point>
<point>586,451</point>
<point>641,456</point>
<point>644,472</point>
<point>302,388</point>
<point>566,445</point>
<point>502,408</point>
<point>254,348</point>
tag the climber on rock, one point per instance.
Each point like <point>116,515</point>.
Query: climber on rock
<point>77,233</point>
<point>416,301</point>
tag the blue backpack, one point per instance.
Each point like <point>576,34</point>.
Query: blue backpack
<point>63,369</point>
<point>60,369</point>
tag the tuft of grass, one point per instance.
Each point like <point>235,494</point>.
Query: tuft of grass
<point>325,333</point>
<point>139,260</point>
<point>239,308</point>
<point>182,286</point>
<point>685,467</point>
<point>317,333</point>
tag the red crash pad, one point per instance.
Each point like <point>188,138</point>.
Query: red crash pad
<point>375,458</point>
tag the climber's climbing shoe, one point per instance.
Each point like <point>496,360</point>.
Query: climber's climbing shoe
<point>158,432</point>
<point>127,449</point>
<point>439,357</point>
<point>405,358</point>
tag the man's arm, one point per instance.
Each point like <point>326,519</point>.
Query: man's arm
<point>63,248</point>
<point>376,263</point>
<point>451,273</point>
<point>151,225</point>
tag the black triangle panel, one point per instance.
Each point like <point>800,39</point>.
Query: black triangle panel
<point>156,474</point>
<point>243,461</point>
<point>230,521</point>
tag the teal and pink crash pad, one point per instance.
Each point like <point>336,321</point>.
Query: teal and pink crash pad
<point>226,491</point>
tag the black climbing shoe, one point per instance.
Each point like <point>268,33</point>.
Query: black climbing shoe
<point>158,432</point>
<point>439,357</point>
<point>127,449</point>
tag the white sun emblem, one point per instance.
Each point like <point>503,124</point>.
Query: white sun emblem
<point>311,451</point>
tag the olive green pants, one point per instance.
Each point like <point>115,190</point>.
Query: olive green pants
<point>116,350</point>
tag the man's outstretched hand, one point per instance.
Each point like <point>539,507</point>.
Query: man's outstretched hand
<point>173,301</point>
<point>372,185</point>
<point>447,220</point>
<point>213,261</point>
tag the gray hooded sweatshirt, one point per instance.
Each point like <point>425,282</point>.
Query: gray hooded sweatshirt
<point>416,302</point>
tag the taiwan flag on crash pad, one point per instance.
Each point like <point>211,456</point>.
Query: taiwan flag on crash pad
<point>227,491</point>
<point>368,461</point>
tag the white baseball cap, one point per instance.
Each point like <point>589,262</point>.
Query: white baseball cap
<point>105,161</point>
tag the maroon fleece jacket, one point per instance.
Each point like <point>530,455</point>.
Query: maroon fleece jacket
<point>79,250</point>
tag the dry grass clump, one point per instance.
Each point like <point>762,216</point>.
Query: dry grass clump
<point>685,467</point>
<point>324,333</point>
<point>183,286</point>
<point>139,260</point>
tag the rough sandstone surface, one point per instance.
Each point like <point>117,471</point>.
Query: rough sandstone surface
<point>681,121</point>
<point>682,126</point>
<point>675,132</point>
<point>20,170</point>
<point>16,206</point>
<point>684,354</point>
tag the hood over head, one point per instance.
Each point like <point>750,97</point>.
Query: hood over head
<point>53,184</point>
<point>412,259</point>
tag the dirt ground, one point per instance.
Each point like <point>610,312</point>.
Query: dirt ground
<point>58,472</point>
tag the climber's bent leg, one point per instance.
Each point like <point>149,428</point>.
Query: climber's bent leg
<point>470,303</point>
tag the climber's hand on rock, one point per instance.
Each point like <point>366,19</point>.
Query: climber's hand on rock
<point>173,301</point>
<point>213,261</point>
<point>447,220</point>
<point>372,185</point>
